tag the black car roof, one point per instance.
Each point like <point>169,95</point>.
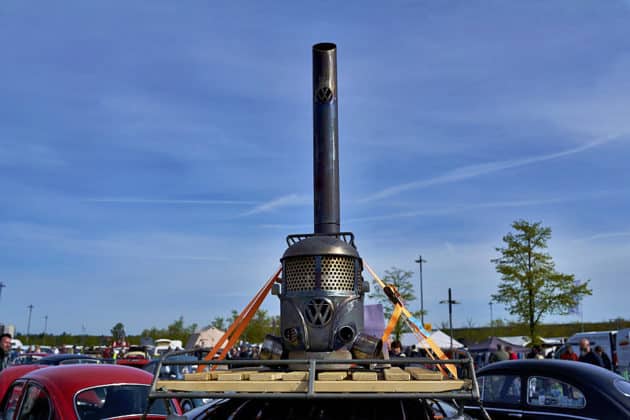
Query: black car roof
<point>555,367</point>
<point>58,358</point>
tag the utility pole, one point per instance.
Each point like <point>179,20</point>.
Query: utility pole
<point>450,302</point>
<point>491,319</point>
<point>45,328</point>
<point>2,286</point>
<point>28,324</point>
<point>420,261</point>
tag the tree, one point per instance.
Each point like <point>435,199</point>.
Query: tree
<point>401,279</point>
<point>218,323</point>
<point>118,332</point>
<point>175,331</point>
<point>530,286</point>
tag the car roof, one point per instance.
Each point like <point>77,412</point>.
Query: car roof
<point>73,378</point>
<point>11,373</point>
<point>58,358</point>
<point>546,367</point>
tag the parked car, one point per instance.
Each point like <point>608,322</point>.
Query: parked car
<point>623,352</point>
<point>136,356</point>
<point>551,389</point>
<point>81,392</point>
<point>28,358</point>
<point>171,372</point>
<point>68,359</point>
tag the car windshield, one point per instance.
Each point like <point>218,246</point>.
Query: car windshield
<point>115,400</point>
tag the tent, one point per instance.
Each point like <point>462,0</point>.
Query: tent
<point>491,343</point>
<point>374,320</point>
<point>440,338</point>
<point>205,338</point>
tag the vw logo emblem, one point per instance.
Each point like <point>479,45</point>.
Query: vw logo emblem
<point>324,95</point>
<point>318,312</point>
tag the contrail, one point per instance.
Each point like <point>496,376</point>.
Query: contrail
<point>472,171</point>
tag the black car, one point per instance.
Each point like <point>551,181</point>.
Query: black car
<point>67,359</point>
<point>551,389</point>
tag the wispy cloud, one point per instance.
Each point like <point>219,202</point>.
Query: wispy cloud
<point>148,245</point>
<point>284,201</point>
<point>497,204</point>
<point>164,201</point>
<point>472,171</point>
<point>606,235</point>
<point>285,227</point>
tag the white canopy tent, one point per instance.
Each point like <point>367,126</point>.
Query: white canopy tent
<point>440,338</point>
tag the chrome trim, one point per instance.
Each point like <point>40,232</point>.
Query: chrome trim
<point>530,412</point>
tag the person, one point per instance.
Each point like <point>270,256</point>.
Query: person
<point>499,355</point>
<point>512,355</point>
<point>587,355</point>
<point>5,350</point>
<point>569,354</point>
<point>605,359</point>
<point>535,353</point>
<point>396,349</point>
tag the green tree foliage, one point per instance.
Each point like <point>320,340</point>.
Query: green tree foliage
<point>218,323</point>
<point>530,286</point>
<point>118,332</point>
<point>175,331</point>
<point>260,325</point>
<point>400,279</point>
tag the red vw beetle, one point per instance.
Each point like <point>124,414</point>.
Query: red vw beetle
<point>82,392</point>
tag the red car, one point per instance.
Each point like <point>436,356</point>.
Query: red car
<point>83,392</point>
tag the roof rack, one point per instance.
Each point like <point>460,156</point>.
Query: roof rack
<point>402,378</point>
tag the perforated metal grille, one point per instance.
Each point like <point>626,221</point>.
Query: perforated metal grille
<point>338,273</point>
<point>299,274</point>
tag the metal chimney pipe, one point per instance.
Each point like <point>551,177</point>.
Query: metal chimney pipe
<point>325,139</point>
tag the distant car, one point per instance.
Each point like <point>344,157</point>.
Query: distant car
<point>28,358</point>
<point>177,372</point>
<point>67,359</point>
<point>551,389</point>
<point>136,357</point>
<point>85,392</point>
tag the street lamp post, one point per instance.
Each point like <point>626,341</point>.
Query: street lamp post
<point>28,324</point>
<point>420,261</point>
<point>45,328</point>
<point>2,286</point>
<point>450,302</point>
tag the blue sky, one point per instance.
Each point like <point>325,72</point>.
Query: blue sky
<point>155,154</point>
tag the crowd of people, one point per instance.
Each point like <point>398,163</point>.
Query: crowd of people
<point>595,356</point>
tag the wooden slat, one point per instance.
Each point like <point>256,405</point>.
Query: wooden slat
<point>232,375</point>
<point>388,386</point>
<point>396,374</point>
<point>295,376</point>
<point>266,376</point>
<point>422,374</point>
<point>332,376</point>
<point>235,386</point>
<point>364,376</point>
<point>320,386</point>
<point>202,376</point>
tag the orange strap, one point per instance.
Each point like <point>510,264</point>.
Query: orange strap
<point>235,330</point>
<point>393,320</point>
<point>417,329</point>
